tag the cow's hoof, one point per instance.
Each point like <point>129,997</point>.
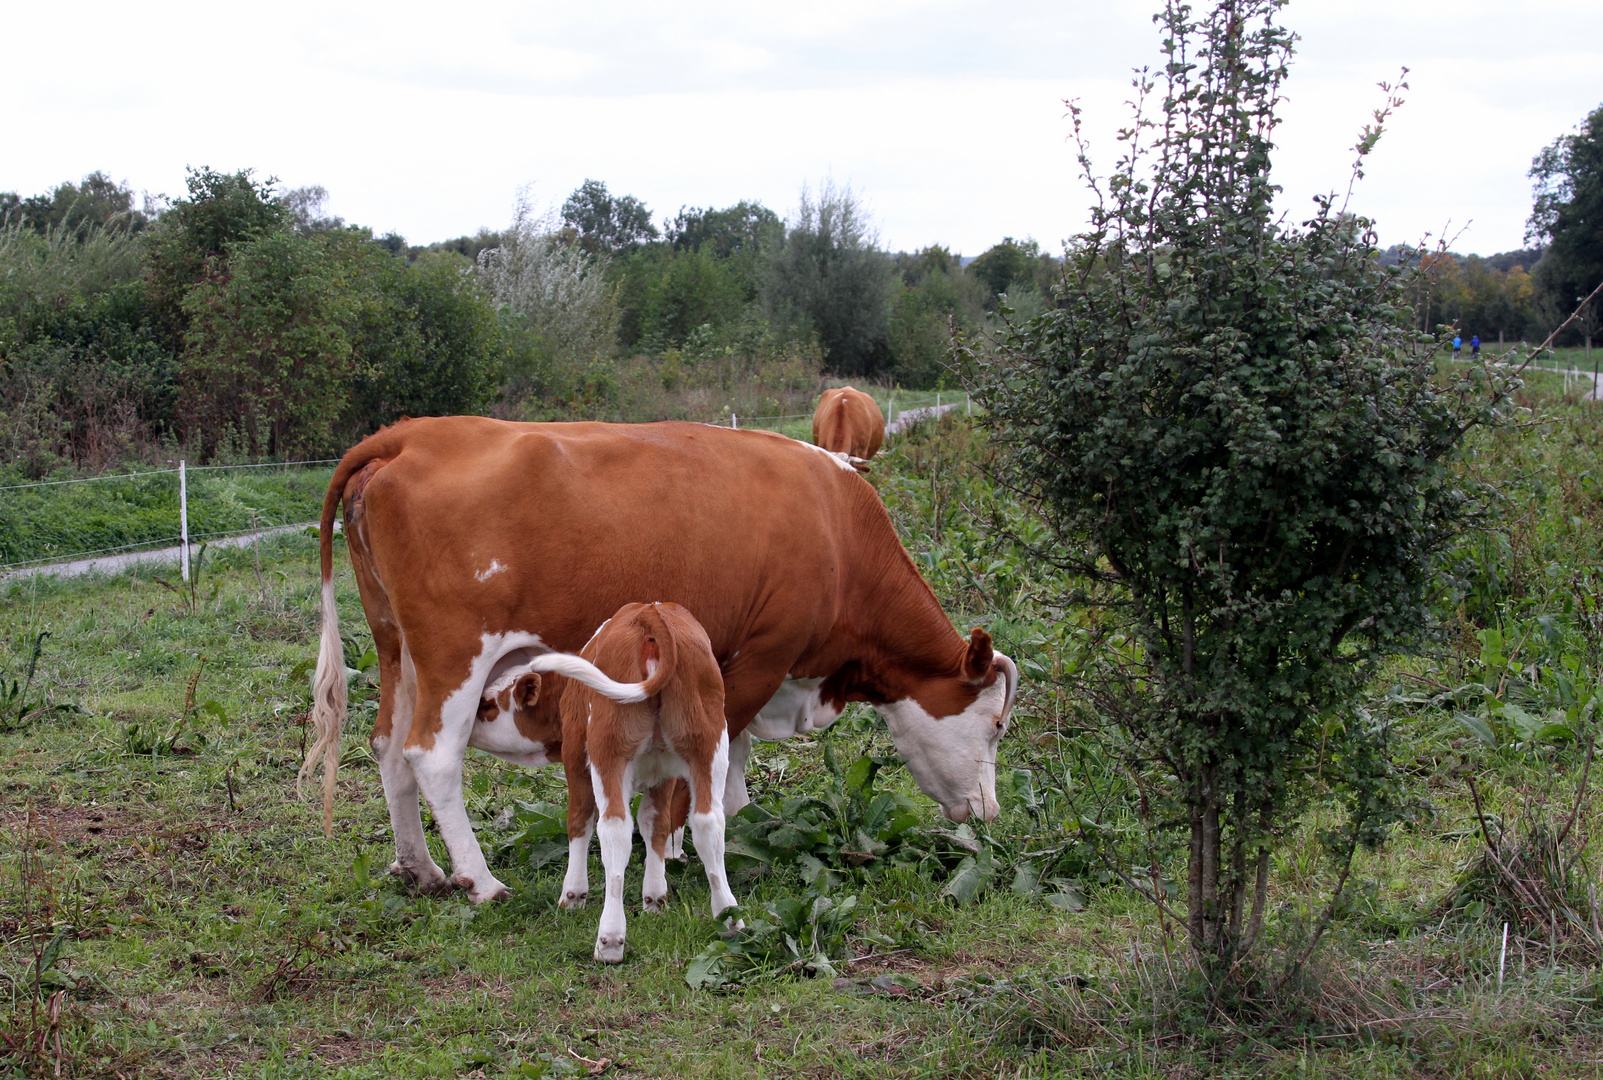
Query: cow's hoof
<point>654,903</point>
<point>492,890</point>
<point>572,901</point>
<point>430,881</point>
<point>609,949</point>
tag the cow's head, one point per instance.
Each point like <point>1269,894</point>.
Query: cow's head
<point>948,730</point>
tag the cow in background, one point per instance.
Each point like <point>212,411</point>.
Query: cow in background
<point>848,421</point>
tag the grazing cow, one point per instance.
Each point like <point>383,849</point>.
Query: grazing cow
<point>479,545</point>
<point>662,720</point>
<point>848,421</point>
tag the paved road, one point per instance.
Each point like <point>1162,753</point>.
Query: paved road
<point>910,417</point>
<point>113,564</point>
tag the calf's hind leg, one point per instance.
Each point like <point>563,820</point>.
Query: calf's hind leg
<point>616,831</point>
<point>663,805</point>
<point>707,820</point>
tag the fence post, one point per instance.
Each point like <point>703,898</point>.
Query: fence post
<point>183,519</point>
<point>734,422</point>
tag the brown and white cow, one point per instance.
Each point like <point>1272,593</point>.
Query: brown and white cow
<point>848,421</point>
<point>649,710</point>
<point>481,544</point>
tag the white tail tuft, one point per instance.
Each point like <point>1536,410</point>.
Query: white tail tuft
<point>328,708</point>
<point>581,670</point>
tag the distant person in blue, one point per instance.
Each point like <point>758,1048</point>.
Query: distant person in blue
<point>1458,343</point>
<point>1475,345</point>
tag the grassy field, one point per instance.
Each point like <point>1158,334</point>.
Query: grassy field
<point>167,908</point>
<point>56,521</point>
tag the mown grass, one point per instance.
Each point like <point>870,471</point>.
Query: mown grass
<point>215,933</point>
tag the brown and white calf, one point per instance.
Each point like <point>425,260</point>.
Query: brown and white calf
<point>848,421</point>
<point>655,715</point>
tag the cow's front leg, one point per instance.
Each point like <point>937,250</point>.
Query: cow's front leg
<point>413,863</point>
<point>735,796</point>
<point>438,768</point>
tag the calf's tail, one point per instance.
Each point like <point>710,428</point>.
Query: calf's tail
<point>660,661</point>
<point>581,670</point>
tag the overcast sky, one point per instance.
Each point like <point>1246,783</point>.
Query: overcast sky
<point>946,116</point>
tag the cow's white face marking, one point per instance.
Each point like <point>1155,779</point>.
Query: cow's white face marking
<point>795,709</point>
<point>953,758</point>
<point>495,567</point>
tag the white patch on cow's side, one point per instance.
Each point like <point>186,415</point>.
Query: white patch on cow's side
<point>841,460</point>
<point>953,758</point>
<point>438,768</point>
<point>495,567</point>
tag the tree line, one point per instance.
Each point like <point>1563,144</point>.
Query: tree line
<point>241,321</point>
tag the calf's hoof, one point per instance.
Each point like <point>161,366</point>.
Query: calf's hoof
<point>572,901</point>
<point>654,903</point>
<point>609,949</point>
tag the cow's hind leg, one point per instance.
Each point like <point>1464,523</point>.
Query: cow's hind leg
<point>438,769</point>
<point>397,699</point>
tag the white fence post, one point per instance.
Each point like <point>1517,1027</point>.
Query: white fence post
<point>734,422</point>
<point>183,520</point>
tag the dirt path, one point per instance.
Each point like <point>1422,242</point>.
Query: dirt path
<point>114,564</point>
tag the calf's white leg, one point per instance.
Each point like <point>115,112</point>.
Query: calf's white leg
<point>616,832</point>
<point>708,828</point>
<point>576,883</point>
<point>654,890</point>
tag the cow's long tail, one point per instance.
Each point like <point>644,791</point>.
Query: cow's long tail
<point>328,683</point>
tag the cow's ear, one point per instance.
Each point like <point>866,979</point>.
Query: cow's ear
<point>977,664</point>
<point>526,691</point>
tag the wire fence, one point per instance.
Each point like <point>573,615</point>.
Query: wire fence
<point>37,550</point>
<point>48,522</point>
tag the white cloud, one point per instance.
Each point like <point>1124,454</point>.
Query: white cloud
<point>945,114</point>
